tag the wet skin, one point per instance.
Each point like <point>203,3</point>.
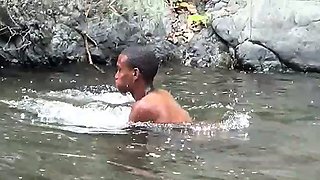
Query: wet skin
<point>157,106</point>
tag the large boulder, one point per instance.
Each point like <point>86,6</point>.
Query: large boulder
<point>270,34</point>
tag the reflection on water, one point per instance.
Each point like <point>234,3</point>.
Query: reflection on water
<point>74,125</point>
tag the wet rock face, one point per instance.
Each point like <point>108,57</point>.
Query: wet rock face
<point>205,50</point>
<point>197,43</point>
<point>256,57</point>
<point>45,32</point>
<point>49,32</point>
<point>39,32</point>
<point>270,34</point>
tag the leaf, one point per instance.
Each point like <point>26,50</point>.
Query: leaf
<point>197,19</point>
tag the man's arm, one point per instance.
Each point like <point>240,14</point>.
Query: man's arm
<point>141,112</point>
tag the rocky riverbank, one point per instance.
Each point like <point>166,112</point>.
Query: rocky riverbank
<point>270,35</point>
<point>251,35</point>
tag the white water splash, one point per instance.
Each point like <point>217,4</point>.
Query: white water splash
<point>85,96</point>
<point>97,112</point>
<point>233,120</point>
<point>84,111</point>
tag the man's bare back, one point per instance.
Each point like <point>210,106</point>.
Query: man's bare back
<point>158,106</point>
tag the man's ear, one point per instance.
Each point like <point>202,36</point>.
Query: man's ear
<point>136,73</point>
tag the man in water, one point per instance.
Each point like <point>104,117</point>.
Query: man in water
<point>136,69</point>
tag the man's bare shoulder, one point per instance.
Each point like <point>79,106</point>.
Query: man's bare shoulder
<point>141,105</point>
<point>157,93</point>
<point>158,106</point>
<point>141,111</point>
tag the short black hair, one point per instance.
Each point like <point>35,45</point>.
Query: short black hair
<point>143,58</point>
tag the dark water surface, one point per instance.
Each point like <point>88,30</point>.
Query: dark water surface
<point>73,125</point>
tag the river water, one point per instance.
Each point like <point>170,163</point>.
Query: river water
<point>73,125</point>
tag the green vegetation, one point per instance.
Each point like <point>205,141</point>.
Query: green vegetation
<point>197,19</point>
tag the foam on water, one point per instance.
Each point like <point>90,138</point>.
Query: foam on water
<point>75,110</point>
<point>86,96</point>
<point>101,111</point>
<point>232,121</point>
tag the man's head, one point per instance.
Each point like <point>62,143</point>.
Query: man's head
<point>135,65</point>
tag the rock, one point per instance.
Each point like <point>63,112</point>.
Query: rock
<point>52,33</point>
<point>254,57</point>
<point>205,50</point>
<point>65,43</point>
<point>219,5</point>
<point>5,17</point>
<point>289,31</point>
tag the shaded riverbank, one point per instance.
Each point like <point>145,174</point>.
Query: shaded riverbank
<point>252,36</point>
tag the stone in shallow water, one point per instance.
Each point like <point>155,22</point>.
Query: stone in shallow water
<point>255,57</point>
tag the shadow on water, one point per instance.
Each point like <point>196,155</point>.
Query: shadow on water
<point>74,125</point>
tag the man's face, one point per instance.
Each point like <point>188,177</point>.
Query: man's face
<point>124,78</point>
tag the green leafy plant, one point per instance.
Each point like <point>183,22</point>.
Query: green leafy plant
<point>197,19</point>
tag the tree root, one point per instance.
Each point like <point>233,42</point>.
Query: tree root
<point>87,38</point>
<point>86,45</point>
